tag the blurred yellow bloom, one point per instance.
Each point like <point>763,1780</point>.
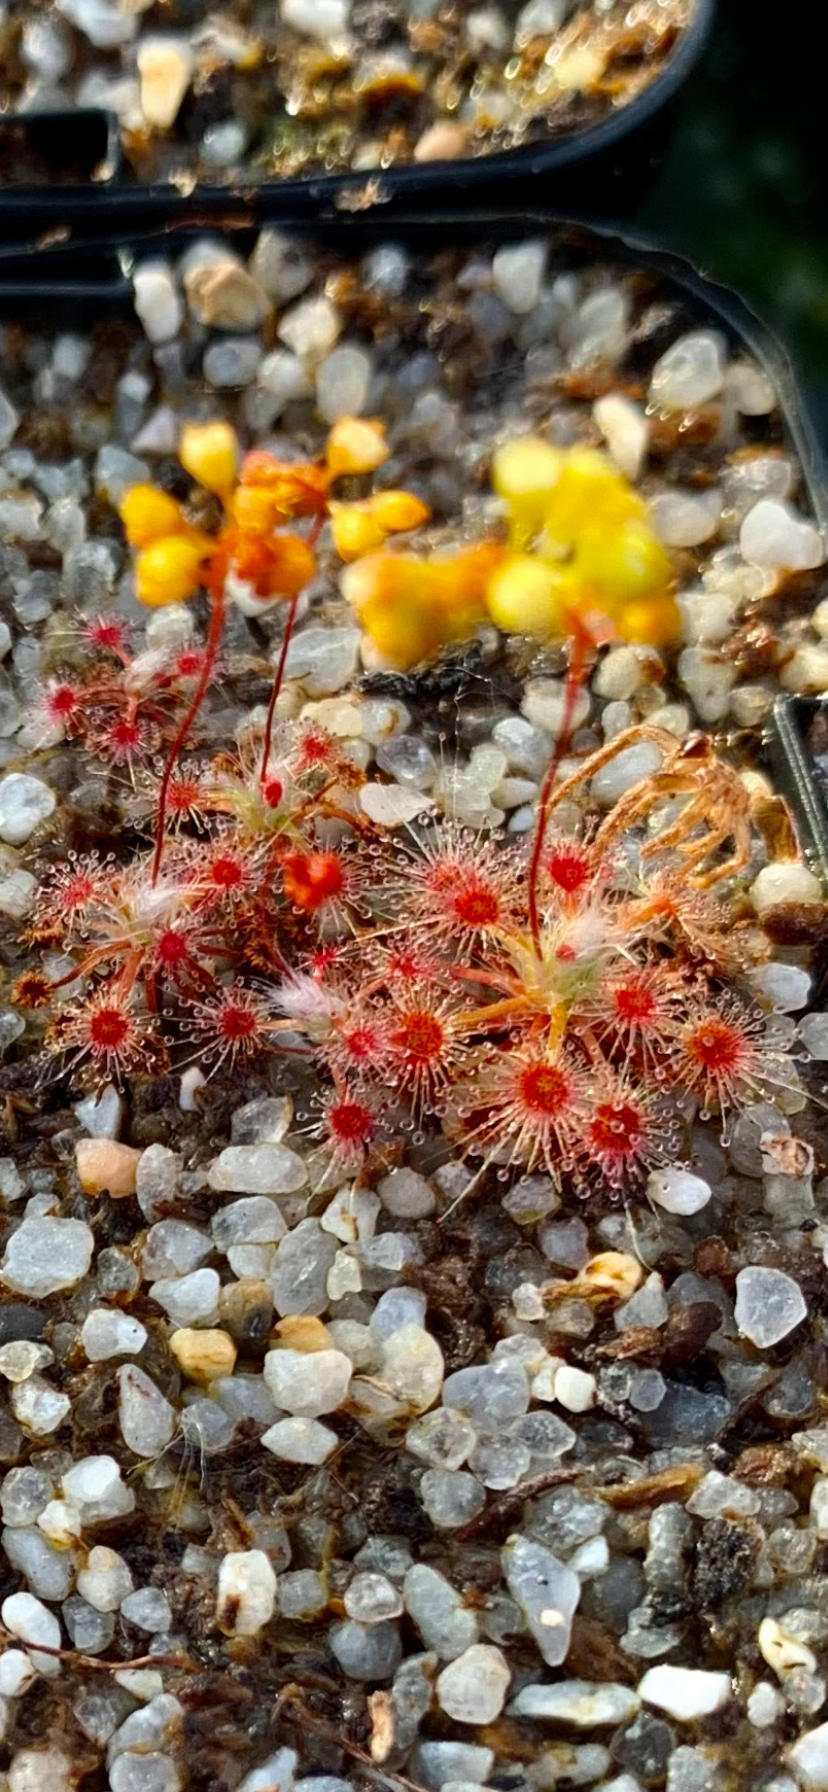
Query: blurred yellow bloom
<point>210,453</point>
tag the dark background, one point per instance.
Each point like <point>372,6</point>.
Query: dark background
<point>741,190</point>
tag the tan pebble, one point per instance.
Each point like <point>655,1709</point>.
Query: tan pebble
<point>165,68</point>
<point>203,1355</point>
<point>106,1168</point>
<point>614,1273</point>
<point>224,294</point>
<point>441,143</point>
<point>300,1332</point>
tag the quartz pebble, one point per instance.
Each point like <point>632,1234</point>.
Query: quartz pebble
<point>147,1419</point>
<point>258,1169</point>
<point>366,1651</point>
<point>787,881</point>
<point>246,1592</point>
<point>769,1305</point>
<point>436,1608</point>
<point>157,301</point>
<point>25,802</point>
<point>547,1592</point>
<point>45,1255</point>
<point>472,1689</point>
<point>684,1693</point>
<point>300,1440</point>
<point>308,1384</point>
<point>30,1620</point>
<point>578,1702</point>
<point>517,273</point>
<point>105,1580</point>
<point>690,373</point>
<point>774,536</point>
<point>678,1191</point>
<point>627,768</point>
<point>105,1167</point>
<point>808,1757</point>
<point>626,432</point>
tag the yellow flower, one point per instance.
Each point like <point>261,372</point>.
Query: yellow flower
<point>148,514</point>
<point>356,445</point>
<point>209,452</point>
<point>169,571</point>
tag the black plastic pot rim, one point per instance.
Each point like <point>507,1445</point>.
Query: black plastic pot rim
<point>21,206</point>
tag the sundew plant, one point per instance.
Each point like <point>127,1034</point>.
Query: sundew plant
<point>562,1001</point>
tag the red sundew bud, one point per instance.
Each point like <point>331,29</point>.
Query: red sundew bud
<point>189,663</point>
<point>273,790</point>
<point>61,701</point>
<point>108,1029</point>
<point>566,954</point>
<point>477,905</point>
<point>108,632</point>
<point>311,879</point>
<point>635,1004</point>
<point>420,1036</point>
<point>570,867</point>
<point>171,949</point>
<point>350,1122</point>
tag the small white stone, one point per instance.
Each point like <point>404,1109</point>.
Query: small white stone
<point>324,19</point>
<point>310,329</point>
<point>275,1774</point>
<point>621,672</point>
<point>625,430</point>
<point>27,1618</point>
<point>16,893</point>
<point>544,703</point>
<point>105,1580</point>
<point>678,1191</point>
<point>165,69</point>
<point>685,519</point>
<point>575,1388</point>
<point>578,1702</point>
<point>813,1031</point>
<point>246,1592</point>
<point>258,1170</point>
<point>95,1487</point>
<point>412,1367</point>
<point>285,378</point>
<point>343,381</point>
<point>23,1357</point>
<point>788,881</point>
<point>45,1255</point>
<point>765,1705</point>
<point>391,806</point>
<point>300,1440</point>
<point>39,1408</point>
<point>107,1332</point>
<point>690,373</point>
<point>751,389</point>
<point>157,301</point>
<point>775,536</point>
<point>517,275</point>
<point>17,1673</point>
<point>9,420</point>
<point>472,1689</point>
<point>785,985</point>
<point>783,1651</point>
<point>806,671</point>
<point>24,803</point>
<point>351,1216</point>
<point>189,1300</point>
<point>101,1114</point>
<point>308,1384</point>
<point>684,1693</point>
<point>808,1757</point>
<point>146,1418</point>
<point>708,677</point>
<point>628,768</point>
<point>769,1305</point>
